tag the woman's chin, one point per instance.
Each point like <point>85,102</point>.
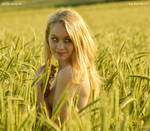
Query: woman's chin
<point>61,58</point>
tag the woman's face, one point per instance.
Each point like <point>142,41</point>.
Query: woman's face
<point>60,43</point>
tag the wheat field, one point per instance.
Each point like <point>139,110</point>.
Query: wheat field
<point>122,35</point>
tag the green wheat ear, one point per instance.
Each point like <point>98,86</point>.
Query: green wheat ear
<point>46,79</point>
<point>36,80</point>
<point>123,60</point>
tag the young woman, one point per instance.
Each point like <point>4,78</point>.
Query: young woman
<point>69,41</point>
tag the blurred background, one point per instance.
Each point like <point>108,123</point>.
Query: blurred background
<point>54,3</point>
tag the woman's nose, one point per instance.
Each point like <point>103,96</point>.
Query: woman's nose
<point>60,45</point>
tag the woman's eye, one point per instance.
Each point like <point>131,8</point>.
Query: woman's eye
<point>54,39</point>
<point>68,41</point>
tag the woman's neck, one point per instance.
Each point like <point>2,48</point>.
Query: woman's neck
<point>63,65</point>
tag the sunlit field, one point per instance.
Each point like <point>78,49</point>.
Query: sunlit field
<point>122,35</point>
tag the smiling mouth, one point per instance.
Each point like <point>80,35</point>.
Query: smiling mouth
<point>61,53</point>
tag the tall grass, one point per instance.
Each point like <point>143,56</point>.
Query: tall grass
<point>122,61</point>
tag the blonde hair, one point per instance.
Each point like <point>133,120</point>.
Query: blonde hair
<point>84,54</point>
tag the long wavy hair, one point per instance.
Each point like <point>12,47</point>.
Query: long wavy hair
<point>83,57</point>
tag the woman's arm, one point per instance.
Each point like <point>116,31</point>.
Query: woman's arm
<point>64,82</point>
<point>84,95</point>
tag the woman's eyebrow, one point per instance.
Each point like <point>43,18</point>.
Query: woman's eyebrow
<point>67,37</point>
<point>52,35</point>
<point>56,36</point>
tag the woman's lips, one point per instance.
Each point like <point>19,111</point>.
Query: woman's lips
<point>61,53</point>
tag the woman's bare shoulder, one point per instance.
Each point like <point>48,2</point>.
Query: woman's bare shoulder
<point>66,73</point>
<point>39,70</point>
